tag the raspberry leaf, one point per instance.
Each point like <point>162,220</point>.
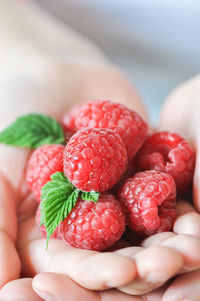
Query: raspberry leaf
<point>59,197</point>
<point>92,196</point>
<point>33,130</point>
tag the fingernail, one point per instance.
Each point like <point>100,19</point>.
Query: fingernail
<point>45,295</point>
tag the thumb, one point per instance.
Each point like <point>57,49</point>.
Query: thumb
<point>9,259</point>
<point>196,182</point>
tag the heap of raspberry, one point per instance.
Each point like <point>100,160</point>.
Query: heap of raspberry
<point>94,226</point>
<point>44,161</point>
<point>106,114</point>
<point>94,159</point>
<point>170,153</point>
<point>149,199</point>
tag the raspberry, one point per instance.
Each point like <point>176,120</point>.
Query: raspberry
<point>94,226</point>
<point>69,121</point>
<point>94,159</point>
<point>44,161</point>
<point>170,153</point>
<point>43,228</point>
<point>149,199</point>
<point>105,114</point>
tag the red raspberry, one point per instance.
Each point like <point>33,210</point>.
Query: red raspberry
<point>69,121</point>
<point>149,199</point>
<point>105,114</point>
<point>44,161</point>
<point>170,153</point>
<point>94,226</point>
<point>42,228</point>
<point>94,159</point>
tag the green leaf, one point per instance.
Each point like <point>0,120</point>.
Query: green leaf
<point>92,196</point>
<point>41,220</point>
<point>33,130</point>
<point>59,197</point>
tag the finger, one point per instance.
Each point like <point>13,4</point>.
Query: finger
<point>196,181</point>
<point>188,220</point>
<point>177,112</point>
<point>9,260</point>
<point>58,287</point>
<point>156,239</point>
<point>93,270</point>
<point>20,289</point>
<point>183,207</point>
<point>185,287</point>
<point>186,245</point>
<point>114,295</point>
<point>154,265</point>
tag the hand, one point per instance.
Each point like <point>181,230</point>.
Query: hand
<point>46,84</point>
<point>52,287</point>
<point>180,114</point>
<point>133,270</point>
<point>42,77</point>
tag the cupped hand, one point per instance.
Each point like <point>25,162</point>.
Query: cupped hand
<point>46,68</point>
<point>135,270</point>
<point>132,270</point>
<point>185,241</point>
<point>37,79</point>
<point>49,87</point>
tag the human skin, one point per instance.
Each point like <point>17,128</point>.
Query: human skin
<point>38,78</point>
<point>58,286</point>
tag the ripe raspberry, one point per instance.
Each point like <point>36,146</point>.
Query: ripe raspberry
<point>94,226</point>
<point>149,199</point>
<point>170,153</point>
<point>105,114</point>
<point>68,121</point>
<point>43,162</point>
<point>94,159</point>
<point>43,228</point>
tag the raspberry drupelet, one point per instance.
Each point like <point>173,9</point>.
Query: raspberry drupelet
<point>44,161</point>
<point>94,159</point>
<point>170,153</point>
<point>94,226</point>
<point>106,114</point>
<point>149,199</point>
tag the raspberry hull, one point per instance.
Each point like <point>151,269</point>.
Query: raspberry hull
<point>44,161</point>
<point>94,226</point>
<point>94,159</point>
<point>170,153</point>
<point>149,199</point>
<point>105,114</point>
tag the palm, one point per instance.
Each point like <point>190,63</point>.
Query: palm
<point>122,266</point>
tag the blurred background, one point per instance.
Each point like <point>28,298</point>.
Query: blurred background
<point>156,43</point>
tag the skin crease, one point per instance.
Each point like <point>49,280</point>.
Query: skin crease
<point>39,78</point>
